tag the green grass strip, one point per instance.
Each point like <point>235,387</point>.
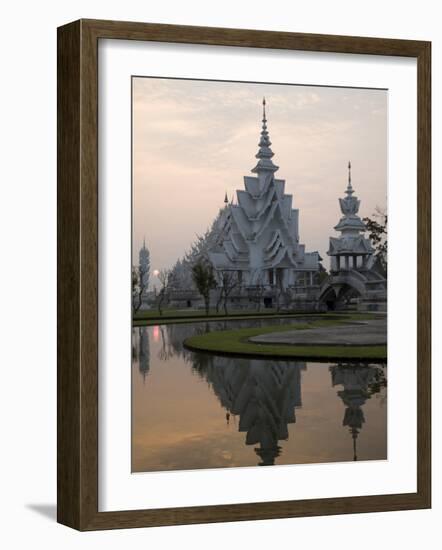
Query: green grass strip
<point>236,342</point>
<point>190,313</point>
<point>197,317</point>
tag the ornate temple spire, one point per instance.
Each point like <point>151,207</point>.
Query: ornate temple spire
<point>354,435</point>
<point>349,190</point>
<point>350,204</point>
<point>268,454</point>
<point>264,154</point>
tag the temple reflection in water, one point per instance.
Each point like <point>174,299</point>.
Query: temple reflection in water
<point>141,350</point>
<point>262,399</point>
<point>263,394</point>
<point>360,381</point>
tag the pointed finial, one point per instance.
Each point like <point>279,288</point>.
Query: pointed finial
<point>264,154</point>
<point>226,200</point>
<point>144,241</point>
<point>349,191</point>
<point>354,435</point>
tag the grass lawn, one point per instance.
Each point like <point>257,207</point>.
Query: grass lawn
<point>235,342</point>
<point>188,313</point>
<point>152,317</point>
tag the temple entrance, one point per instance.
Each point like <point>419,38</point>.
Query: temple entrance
<point>268,302</point>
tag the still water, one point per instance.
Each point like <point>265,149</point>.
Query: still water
<point>196,410</point>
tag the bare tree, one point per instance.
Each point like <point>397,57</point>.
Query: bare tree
<point>139,285</point>
<point>166,351</point>
<point>229,281</point>
<point>163,277</point>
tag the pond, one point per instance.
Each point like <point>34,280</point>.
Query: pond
<point>196,410</point>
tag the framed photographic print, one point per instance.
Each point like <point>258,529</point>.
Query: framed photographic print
<point>243,274</point>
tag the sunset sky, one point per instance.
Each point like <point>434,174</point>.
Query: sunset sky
<point>195,140</point>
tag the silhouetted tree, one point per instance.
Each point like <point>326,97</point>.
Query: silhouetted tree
<point>377,228</point>
<point>228,282</point>
<point>163,277</point>
<point>139,285</point>
<point>204,280</point>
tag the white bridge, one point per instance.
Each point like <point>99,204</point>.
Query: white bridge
<point>367,287</point>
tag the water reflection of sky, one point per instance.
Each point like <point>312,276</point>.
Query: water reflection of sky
<point>194,410</point>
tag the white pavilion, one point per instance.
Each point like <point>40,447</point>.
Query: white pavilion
<point>259,235</point>
<point>351,250</point>
<point>354,273</point>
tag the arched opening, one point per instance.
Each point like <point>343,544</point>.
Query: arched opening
<point>342,297</point>
<point>329,299</point>
<point>347,298</point>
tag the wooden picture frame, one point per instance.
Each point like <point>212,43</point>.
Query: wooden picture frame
<point>78,274</point>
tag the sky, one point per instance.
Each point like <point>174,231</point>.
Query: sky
<point>195,140</point>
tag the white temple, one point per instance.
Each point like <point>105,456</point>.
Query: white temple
<point>351,250</point>
<point>259,236</point>
<point>254,246</point>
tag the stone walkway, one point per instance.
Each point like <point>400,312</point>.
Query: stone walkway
<point>359,333</point>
